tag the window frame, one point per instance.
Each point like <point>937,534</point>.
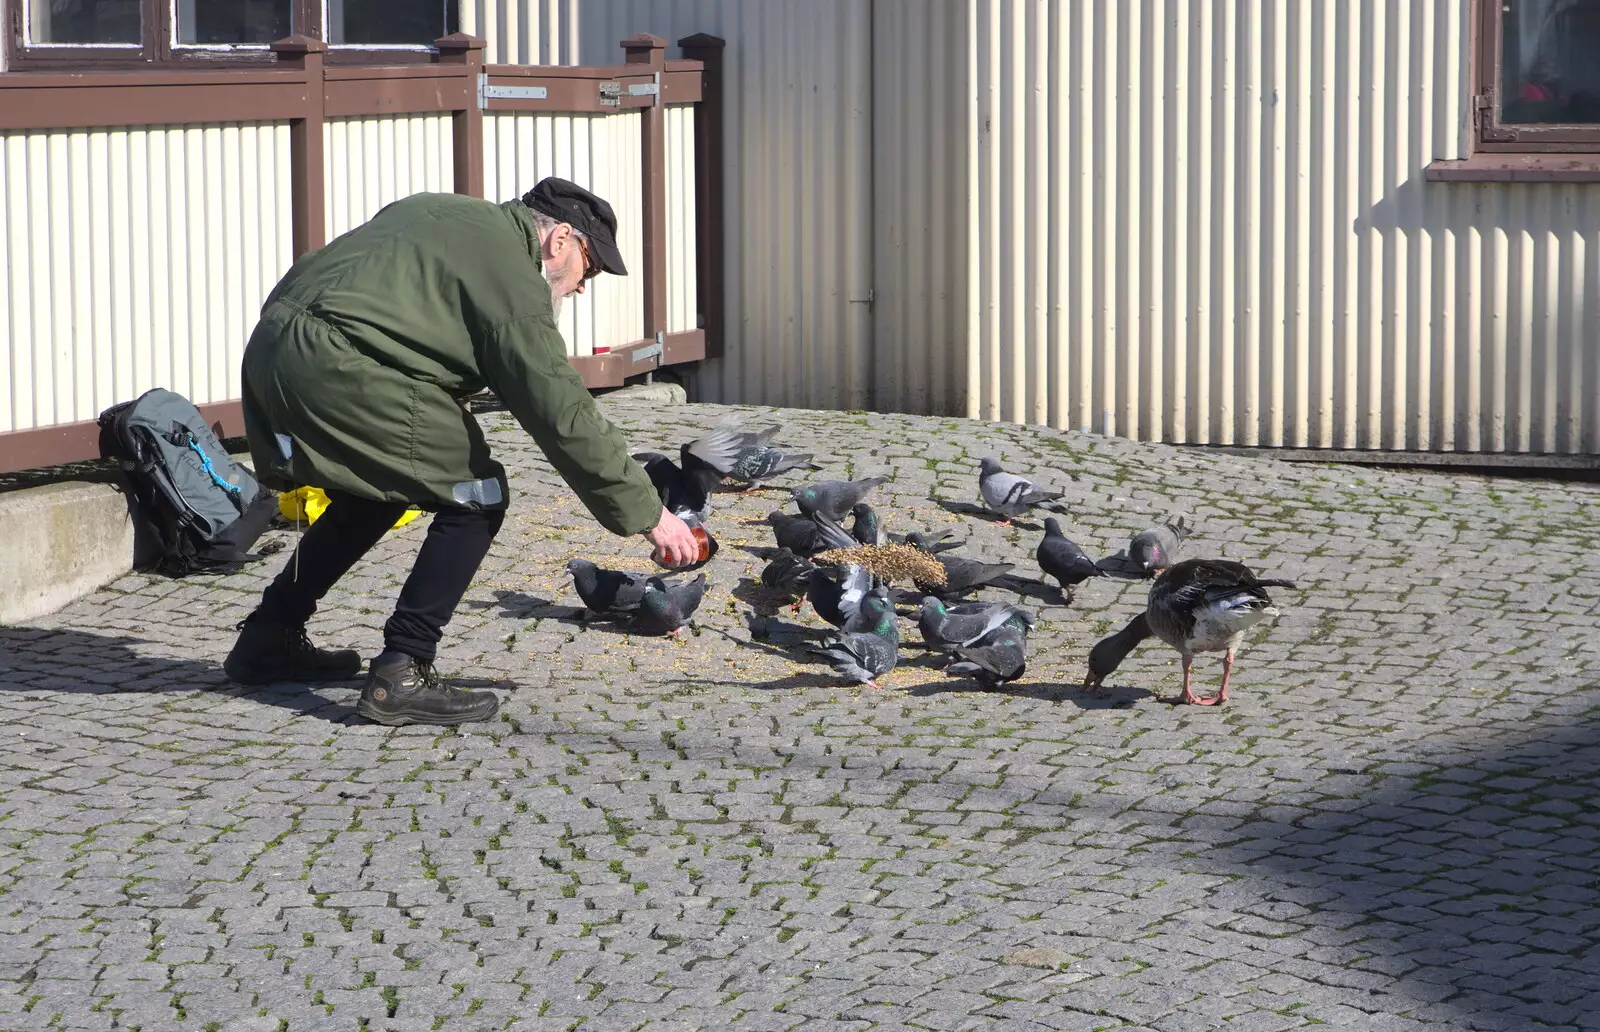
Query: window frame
<point>1492,136</point>
<point>156,50</point>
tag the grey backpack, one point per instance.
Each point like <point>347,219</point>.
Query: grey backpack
<point>197,509</point>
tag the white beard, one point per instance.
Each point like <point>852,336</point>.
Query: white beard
<point>556,303</point>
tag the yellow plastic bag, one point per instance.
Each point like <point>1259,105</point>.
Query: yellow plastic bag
<point>305,504</point>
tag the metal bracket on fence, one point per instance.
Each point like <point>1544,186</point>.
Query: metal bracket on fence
<point>611,92</point>
<point>651,350</point>
<point>487,93</point>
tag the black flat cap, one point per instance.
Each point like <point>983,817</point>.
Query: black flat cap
<point>568,202</point>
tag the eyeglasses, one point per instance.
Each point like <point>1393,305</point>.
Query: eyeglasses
<point>590,269</point>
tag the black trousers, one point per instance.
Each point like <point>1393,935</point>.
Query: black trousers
<point>455,545</point>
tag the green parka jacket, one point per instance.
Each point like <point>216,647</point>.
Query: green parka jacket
<point>356,376</point>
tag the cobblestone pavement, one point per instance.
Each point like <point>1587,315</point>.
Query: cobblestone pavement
<point>1390,826</point>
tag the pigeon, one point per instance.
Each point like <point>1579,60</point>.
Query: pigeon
<point>998,658</point>
<point>1007,494</point>
<point>963,575</point>
<point>789,574</point>
<point>739,455</point>
<point>1153,550</point>
<point>836,592</point>
<point>665,608</point>
<point>607,591</point>
<point>943,627</point>
<point>1062,559</point>
<point>932,543</point>
<point>808,535</point>
<point>834,498</point>
<point>865,655</point>
<point>870,614</point>
<point>1198,605</point>
<point>866,529</point>
<point>684,494</point>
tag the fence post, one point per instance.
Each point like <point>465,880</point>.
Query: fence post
<point>708,197</point>
<point>458,48</point>
<point>651,53</point>
<point>307,192</point>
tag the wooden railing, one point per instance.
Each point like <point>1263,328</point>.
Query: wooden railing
<point>303,91</point>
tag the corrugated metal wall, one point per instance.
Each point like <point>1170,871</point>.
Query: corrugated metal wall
<point>1208,222</point>
<point>683,301</point>
<point>602,153</point>
<point>920,199</point>
<point>536,32</point>
<point>369,162</point>
<point>135,258</point>
<point>798,177</point>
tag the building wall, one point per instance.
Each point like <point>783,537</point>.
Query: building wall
<point>797,238</point>
<point>134,258</point>
<point>1208,222</point>
<point>1178,220</point>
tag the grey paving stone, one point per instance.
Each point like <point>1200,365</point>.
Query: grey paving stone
<point>1387,827</point>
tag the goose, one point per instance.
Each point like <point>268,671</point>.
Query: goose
<point>1197,605</point>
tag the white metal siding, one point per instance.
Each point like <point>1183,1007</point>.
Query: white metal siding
<point>536,32</point>
<point>1208,222</point>
<point>920,203</point>
<point>602,153</point>
<point>135,258</point>
<point>683,303</point>
<point>370,162</point>
<point>797,239</point>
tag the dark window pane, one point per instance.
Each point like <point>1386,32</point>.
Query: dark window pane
<point>372,22</point>
<point>1550,61</point>
<point>83,21</point>
<point>232,21</point>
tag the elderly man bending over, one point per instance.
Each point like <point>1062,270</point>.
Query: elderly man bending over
<point>355,380</point>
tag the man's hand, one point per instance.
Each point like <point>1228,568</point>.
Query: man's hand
<point>671,536</point>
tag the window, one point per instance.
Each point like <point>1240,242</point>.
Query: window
<point>80,22</point>
<point>121,33</point>
<point>232,22</point>
<point>1539,76</point>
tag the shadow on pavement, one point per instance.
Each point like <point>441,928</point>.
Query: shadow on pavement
<point>49,660</point>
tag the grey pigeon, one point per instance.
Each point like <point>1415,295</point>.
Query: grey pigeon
<point>665,608</point>
<point>836,592</point>
<point>963,575</point>
<point>1061,558</point>
<point>607,591</point>
<point>682,492</point>
<point>942,627</point>
<point>932,542</point>
<point>834,498</point>
<point>867,529</point>
<point>865,655</point>
<point>741,455</point>
<point>1155,549</point>
<point>1007,494</point>
<point>808,535</point>
<point>788,573</point>
<point>998,658</point>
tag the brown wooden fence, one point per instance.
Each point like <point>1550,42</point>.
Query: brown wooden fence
<point>303,90</point>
